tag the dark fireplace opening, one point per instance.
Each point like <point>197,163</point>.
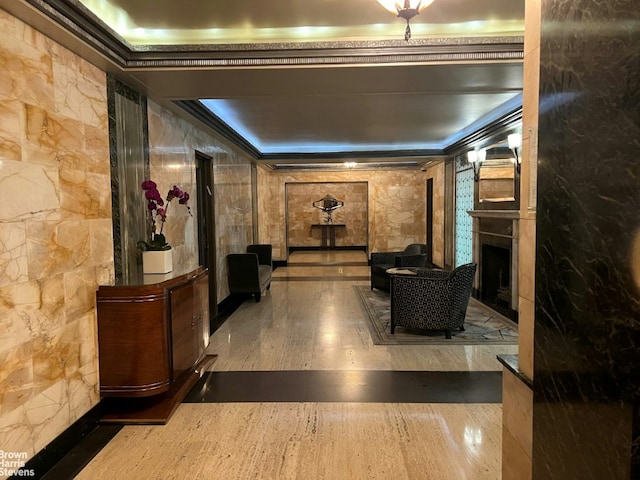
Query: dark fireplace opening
<point>496,279</point>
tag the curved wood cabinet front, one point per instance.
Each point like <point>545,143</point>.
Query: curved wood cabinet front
<point>141,350</point>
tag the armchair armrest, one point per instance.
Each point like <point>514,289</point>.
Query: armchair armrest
<point>383,258</point>
<point>264,252</point>
<point>417,260</point>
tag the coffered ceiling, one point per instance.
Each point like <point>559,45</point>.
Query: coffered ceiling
<point>313,81</point>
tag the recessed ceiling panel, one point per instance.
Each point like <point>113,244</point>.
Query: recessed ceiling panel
<point>316,91</point>
<point>165,22</point>
<point>339,123</point>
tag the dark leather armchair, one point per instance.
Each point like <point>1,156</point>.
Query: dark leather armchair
<point>250,273</point>
<point>432,299</point>
<point>414,255</point>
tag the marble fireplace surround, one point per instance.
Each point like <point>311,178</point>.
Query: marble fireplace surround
<point>485,234</point>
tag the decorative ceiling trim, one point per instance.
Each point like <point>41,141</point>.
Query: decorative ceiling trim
<point>487,134</point>
<point>204,115</point>
<point>324,58</point>
<point>78,20</point>
<point>355,155</point>
<point>340,167</point>
<point>74,17</point>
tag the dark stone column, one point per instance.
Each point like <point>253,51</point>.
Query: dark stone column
<point>587,330</point>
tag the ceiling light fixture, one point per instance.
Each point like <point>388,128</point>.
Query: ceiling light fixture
<point>515,142</point>
<point>475,158</point>
<point>406,9</point>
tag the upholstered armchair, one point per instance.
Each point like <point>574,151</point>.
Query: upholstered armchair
<point>414,255</point>
<point>250,273</point>
<point>432,299</point>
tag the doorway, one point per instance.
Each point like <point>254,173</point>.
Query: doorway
<point>206,226</point>
<point>429,222</point>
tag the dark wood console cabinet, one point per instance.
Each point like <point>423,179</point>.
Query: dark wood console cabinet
<point>152,340</point>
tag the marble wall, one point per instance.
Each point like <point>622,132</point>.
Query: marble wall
<point>517,395</point>
<point>301,214</point>
<point>173,143</point>
<point>56,240</point>
<point>587,294</point>
<point>397,206</point>
<point>55,234</point>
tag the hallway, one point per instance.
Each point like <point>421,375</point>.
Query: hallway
<point>304,362</point>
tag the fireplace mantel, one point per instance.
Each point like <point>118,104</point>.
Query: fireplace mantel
<point>488,235</point>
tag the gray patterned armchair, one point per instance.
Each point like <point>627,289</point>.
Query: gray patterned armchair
<point>432,299</point>
<point>414,255</point>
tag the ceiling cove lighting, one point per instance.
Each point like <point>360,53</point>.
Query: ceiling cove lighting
<point>406,9</point>
<point>475,158</point>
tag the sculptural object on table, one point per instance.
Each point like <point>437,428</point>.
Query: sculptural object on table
<point>328,204</point>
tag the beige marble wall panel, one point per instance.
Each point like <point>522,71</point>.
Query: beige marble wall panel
<point>10,122</point>
<point>41,182</point>
<point>269,207</point>
<point>437,173</point>
<point>301,213</point>
<point>396,205</point>
<point>173,143</point>
<point>13,254</point>
<point>517,423</point>
<point>28,73</point>
<point>55,234</point>
<point>527,243</point>
<point>517,397</point>
<point>516,464</point>
<point>526,310</point>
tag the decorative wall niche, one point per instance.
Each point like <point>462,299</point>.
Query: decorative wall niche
<point>301,214</point>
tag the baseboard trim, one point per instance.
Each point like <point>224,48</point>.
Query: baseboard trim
<point>43,461</point>
<point>225,308</point>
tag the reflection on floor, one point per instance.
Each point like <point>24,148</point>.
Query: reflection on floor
<point>300,391</point>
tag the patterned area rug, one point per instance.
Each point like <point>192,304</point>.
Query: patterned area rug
<point>482,325</point>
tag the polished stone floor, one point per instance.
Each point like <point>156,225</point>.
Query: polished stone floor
<point>299,391</point>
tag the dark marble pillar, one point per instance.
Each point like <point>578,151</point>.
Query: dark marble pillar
<point>587,323</point>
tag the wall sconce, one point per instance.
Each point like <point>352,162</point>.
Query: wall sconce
<point>515,143</point>
<point>475,158</point>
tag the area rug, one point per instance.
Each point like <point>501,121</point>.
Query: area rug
<point>483,326</point>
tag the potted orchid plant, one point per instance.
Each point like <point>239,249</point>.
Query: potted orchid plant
<point>157,208</point>
<point>157,251</point>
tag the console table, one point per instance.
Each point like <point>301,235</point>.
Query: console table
<point>152,339</point>
<point>328,233</point>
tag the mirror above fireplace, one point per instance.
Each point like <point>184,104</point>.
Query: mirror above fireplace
<point>496,182</point>
<point>497,175</point>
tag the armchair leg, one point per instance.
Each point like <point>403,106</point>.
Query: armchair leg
<point>462,328</point>
<point>257,295</point>
<point>447,334</point>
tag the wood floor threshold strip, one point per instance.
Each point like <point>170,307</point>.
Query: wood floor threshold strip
<point>327,264</point>
<point>336,278</point>
<point>360,386</point>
